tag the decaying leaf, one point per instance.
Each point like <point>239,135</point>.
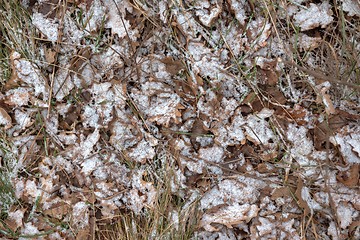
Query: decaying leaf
<point>132,105</point>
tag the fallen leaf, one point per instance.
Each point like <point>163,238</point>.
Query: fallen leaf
<point>350,178</point>
<point>50,55</point>
<point>298,193</point>
<point>172,66</point>
<point>58,210</point>
<point>5,119</point>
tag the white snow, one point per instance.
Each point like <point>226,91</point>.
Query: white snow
<point>46,26</point>
<point>29,229</point>
<point>90,165</point>
<point>87,146</point>
<point>349,143</point>
<point>316,15</point>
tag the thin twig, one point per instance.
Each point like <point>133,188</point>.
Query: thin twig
<point>320,75</point>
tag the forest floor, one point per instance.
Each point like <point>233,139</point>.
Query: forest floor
<point>169,119</point>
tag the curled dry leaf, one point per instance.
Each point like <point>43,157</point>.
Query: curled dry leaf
<point>5,119</point>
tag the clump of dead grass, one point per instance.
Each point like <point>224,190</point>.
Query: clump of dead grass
<point>171,216</point>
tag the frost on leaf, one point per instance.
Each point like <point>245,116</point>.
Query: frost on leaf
<point>30,74</point>
<point>229,216</point>
<point>94,16</point>
<point>259,31</point>
<point>352,7</point>
<point>117,21</point>
<point>208,11</point>
<point>48,27</point>
<point>18,97</point>
<point>123,135</point>
<point>80,215</point>
<point>29,230</point>
<point>142,195</point>
<point>257,128</point>
<point>230,203</point>
<point>142,152</point>
<point>158,102</point>
<point>279,226</point>
<point>307,43</point>
<point>239,7</point>
<point>348,139</point>
<point>109,60</point>
<point>87,146</point>
<point>314,16</point>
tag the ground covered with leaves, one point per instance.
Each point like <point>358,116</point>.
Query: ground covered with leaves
<point>193,119</point>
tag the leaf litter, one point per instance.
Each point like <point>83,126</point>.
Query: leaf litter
<point>262,145</point>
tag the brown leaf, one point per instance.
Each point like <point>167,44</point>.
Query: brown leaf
<point>325,129</point>
<point>353,227</point>
<point>351,177</point>
<point>302,203</point>
<point>5,119</point>
<point>58,210</point>
<point>50,55</point>
<point>268,154</point>
<point>298,114</point>
<point>281,192</point>
<point>14,80</point>
<point>172,66</point>
<point>329,106</point>
<point>15,219</point>
<point>83,234</point>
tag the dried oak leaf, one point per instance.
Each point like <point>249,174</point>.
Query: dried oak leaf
<point>351,177</point>
<point>83,234</point>
<point>172,66</point>
<point>50,55</point>
<point>58,210</point>
<point>323,130</point>
<point>267,73</point>
<point>281,192</point>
